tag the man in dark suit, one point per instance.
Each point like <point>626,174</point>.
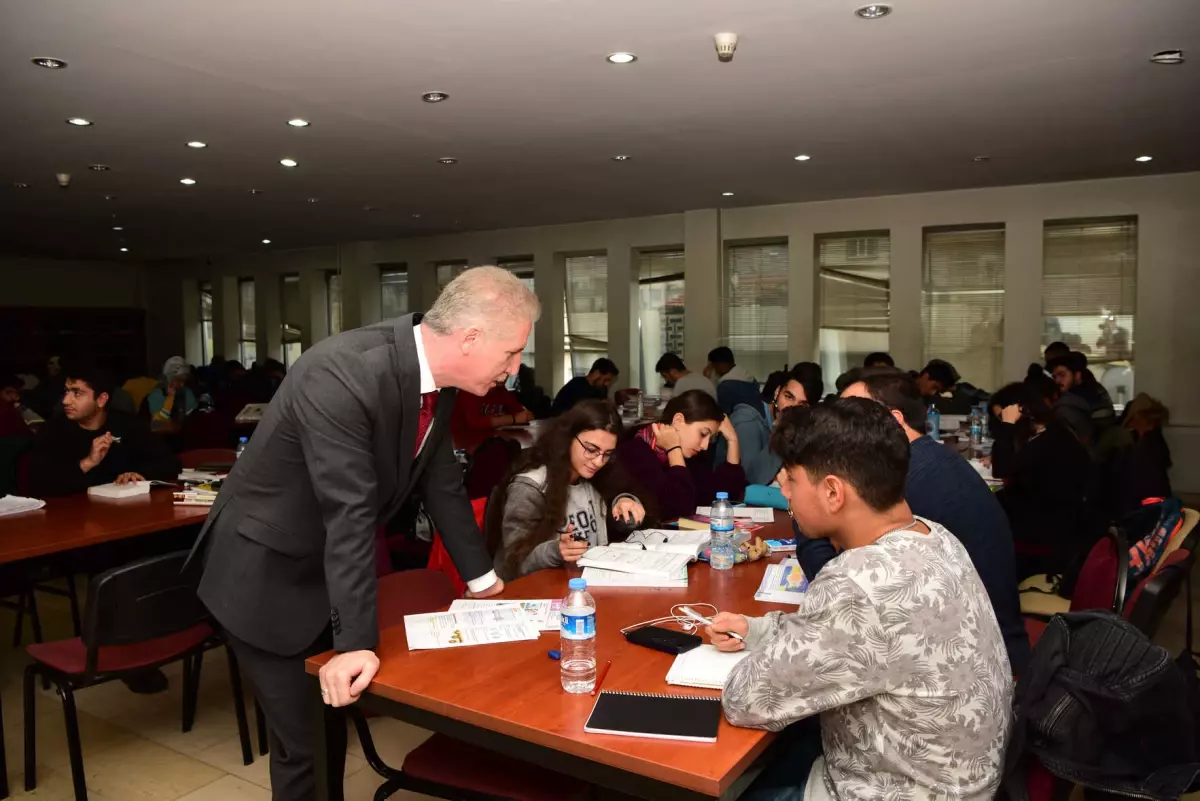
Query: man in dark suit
<point>360,422</point>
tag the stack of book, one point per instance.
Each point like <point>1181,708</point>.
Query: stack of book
<point>195,496</point>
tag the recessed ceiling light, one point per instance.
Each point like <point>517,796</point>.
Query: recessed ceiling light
<point>726,194</point>
<point>197,144</point>
<point>1144,158</point>
<point>447,160</point>
<point>981,158</point>
<point>620,158</point>
<point>874,11</point>
<point>118,228</point>
<point>288,162</point>
<point>435,97</point>
<point>298,123</point>
<point>417,216</point>
<point>187,181</point>
<point>803,157</point>
<point>1167,57</point>
<point>20,185</point>
<point>99,167</point>
<point>256,191</point>
<point>266,241</point>
<point>79,122</point>
<point>621,58</point>
<point>124,250</point>
<point>50,63</point>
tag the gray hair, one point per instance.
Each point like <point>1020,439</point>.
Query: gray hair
<point>482,297</point>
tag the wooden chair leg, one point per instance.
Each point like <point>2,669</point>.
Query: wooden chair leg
<point>239,706</point>
<point>30,704</point>
<point>260,723</point>
<point>74,746</point>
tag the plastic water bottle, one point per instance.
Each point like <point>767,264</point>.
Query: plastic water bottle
<point>577,665</point>
<point>933,422</point>
<point>983,420</point>
<point>241,447</point>
<point>976,426</point>
<point>720,552</point>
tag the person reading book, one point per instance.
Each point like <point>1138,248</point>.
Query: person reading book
<point>555,502</point>
<point>665,458</point>
<point>895,643</point>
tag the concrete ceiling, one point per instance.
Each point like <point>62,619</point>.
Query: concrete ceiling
<point>1050,91</point>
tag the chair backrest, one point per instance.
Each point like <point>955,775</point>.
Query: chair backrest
<point>1101,582</point>
<point>439,557</point>
<point>490,463</point>
<point>1150,600</point>
<point>193,459</point>
<point>140,601</point>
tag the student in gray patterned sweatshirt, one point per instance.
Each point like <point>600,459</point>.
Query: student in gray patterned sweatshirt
<point>895,645</point>
<point>554,506</point>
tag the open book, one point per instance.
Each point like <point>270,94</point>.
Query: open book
<point>636,561</point>
<point>662,540</point>
<point>599,577</point>
<point>703,667</point>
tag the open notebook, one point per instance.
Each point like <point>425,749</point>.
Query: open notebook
<point>704,667</point>
<point>665,717</point>
<point>636,561</point>
<point>661,540</point>
<point>599,577</point>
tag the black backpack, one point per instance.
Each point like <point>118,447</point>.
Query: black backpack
<point>1102,706</point>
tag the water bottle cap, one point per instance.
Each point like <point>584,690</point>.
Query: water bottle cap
<point>722,496</point>
<point>243,440</point>
<point>577,584</point>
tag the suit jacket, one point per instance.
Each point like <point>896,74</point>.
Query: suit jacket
<point>291,539</point>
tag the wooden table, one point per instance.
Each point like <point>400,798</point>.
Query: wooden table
<point>77,521</point>
<point>507,697</point>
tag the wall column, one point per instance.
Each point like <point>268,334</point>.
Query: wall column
<point>1023,237</point>
<point>226,325</point>
<point>803,294</point>
<point>549,280</point>
<point>703,314</point>
<point>906,339</point>
<point>623,342</point>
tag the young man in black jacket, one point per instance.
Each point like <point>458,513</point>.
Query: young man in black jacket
<point>90,444</point>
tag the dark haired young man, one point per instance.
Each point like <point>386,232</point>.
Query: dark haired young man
<point>1073,377</point>
<point>895,646</point>
<point>593,385</point>
<point>675,373</point>
<point>879,359</point>
<point>90,444</point>
<point>935,378</point>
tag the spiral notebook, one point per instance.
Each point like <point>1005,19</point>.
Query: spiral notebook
<point>704,667</point>
<point>664,717</point>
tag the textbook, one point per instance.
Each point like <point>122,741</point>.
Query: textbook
<point>663,540</point>
<point>130,490</point>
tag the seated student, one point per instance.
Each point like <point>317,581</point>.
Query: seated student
<point>1046,473</point>
<point>89,445</point>
<point>879,359</point>
<point>734,384</point>
<point>895,645</point>
<point>474,415</point>
<point>1073,377</point>
<point>664,463</point>
<point>171,399</point>
<point>530,395</point>
<point>594,385</point>
<point>676,375</point>
<point>1055,350</point>
<point>15,415</point>
<point>942,486</point>
<point>798,387</point>
<point>15,433</point>
<point>935,378</point>
<point>560,489</point>
<point>1143,469</point>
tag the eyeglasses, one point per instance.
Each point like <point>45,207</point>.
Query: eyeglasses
<point>593,453</point>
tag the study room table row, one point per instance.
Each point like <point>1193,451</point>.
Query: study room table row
<point>507,697</point>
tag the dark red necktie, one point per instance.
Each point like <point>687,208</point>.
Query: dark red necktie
<point>428,402</point>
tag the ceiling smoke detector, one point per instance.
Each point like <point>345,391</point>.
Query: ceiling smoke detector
<point>726,43</point>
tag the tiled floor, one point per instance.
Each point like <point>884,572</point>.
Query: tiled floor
<point>133,749</point>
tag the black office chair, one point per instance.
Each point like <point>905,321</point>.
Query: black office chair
<point>139,617</point>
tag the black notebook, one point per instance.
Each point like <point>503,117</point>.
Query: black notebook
<point>667,717</point>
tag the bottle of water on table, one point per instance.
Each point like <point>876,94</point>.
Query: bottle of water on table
<point>577,664</point>
<point>933,422</point>
<point>721,552</point>
<point>241,447</point>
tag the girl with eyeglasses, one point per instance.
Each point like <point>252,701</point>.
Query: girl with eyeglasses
<point>668,462</point>
<point>555,503</point>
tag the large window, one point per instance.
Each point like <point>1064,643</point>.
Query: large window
<point>585,310</point>
<point>447,271</point>
<point>333,301</point>
<point>522,267</point>
<point>756,307</point>
<point>1089,289</point>
<point>206,322</point>
<point>962,301</point>
<point>660,311</point>
<point>855,285</point>
<point>393,290</point>
<point>247,341</point>
<point>291,308</point>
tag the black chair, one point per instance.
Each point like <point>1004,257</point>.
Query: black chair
<point>1149,602</point>
<point>139,617</point>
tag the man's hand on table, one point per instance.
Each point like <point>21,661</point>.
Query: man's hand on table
<point>344,677</point>
<point>495,589</point>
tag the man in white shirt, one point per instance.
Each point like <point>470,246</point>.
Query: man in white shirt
<point>676,375</point>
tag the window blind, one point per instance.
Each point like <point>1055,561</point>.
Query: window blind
<point>393,290</point>
<point>756,306</point>
<point>1089,286</point>
<point>586,311</point>
<point>854,272</point>
<point>660,311</point>
<point>962,300</point>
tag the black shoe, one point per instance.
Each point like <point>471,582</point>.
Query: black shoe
<point>148,683</point>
